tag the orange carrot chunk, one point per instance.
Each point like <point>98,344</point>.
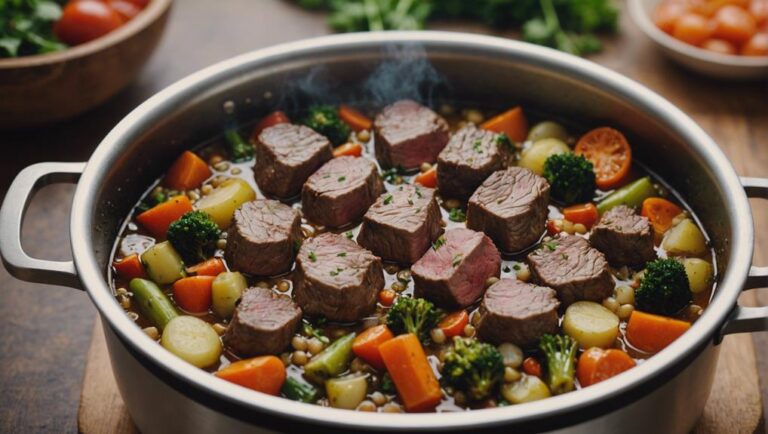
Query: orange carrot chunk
<point>356,120</point>
<point>512,123</point>
<point>193,294</point>
<point>411,373</point>
<point>349,149</point>
<point>211,267</point>
<point>265,374</point>
<point>660,212</point>
<point>596,365</point>
<point>652,333</point>
<point>428,178</point>
<point>585,214</point>
<point>531,366</point>
<point>366,345</point>
<point>130,267</point>
<point>453,324</point>
<point>187,172</point>
<point>157,219</point>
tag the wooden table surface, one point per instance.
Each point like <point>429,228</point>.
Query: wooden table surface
<point>46,329</point>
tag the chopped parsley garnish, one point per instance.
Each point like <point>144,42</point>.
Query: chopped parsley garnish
<point>457,215</point>
<point>410,202</point>
<point>478,146</point>
<point>438,243</point>
<point>341,254</point>
<point>336,271</point>
<point>564,256</point>
<point>551,245</point>
<point>342,178</point>
<point>312,256</point>
<point>349,234</point>
<point>388,199</point>
<point>456,259</point>
<point>309,330</point>
<point>418,192</point>
<point>393,174</point>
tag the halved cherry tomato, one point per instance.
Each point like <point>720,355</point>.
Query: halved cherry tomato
<point>666,15</point>
<point>270,120</point>
<point>453,324</point>
<point>428,178</point>
<point>759,10</point>
<point>552,228</point>
<point>349,149</point>
<point>86,20</point>
<point>127,9</point>
<point>386,297</point>
<point>610,153</point>
<point>692,28</point>
<point>660,212</point>
<point>734,24</point>
<point>531,366</point>
<point>585,214</point>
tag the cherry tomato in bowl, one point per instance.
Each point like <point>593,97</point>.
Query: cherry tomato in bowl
<point>85,20</point>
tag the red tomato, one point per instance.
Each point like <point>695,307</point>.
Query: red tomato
<point>86,20</point>
<point>734,24</point>
<point>140,3</point>
<point>692,28</point>
<point>759,10</point>
<point>666,14</point>
<point>719,46</point>
<point>125,8</point>
<point>756,46</point>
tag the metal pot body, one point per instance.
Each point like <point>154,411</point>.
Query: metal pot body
<point>163,394</point>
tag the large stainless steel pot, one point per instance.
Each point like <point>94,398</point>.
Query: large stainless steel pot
<point>163,394</point>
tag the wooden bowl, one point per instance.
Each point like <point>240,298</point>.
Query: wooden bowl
<point>41,89</point>
<point>696,59</point>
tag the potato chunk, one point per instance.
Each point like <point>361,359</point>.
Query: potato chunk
<point>591,324</point>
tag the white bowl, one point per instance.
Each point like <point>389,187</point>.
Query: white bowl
<point>696,59</point>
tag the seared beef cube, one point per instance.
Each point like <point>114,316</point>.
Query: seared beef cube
<point>574,269</point>
<point>510,207</point>
<point>517,312</point>
<point>470,157</point>
<point>336,278</point>
<point>452,274</point>
<point>408,134</point>
<point>402,224</point>
<point>341,191</point>
<point>263,237</point>
<point>286,155</point>
<point>624,237</point>
<point>264,323</point>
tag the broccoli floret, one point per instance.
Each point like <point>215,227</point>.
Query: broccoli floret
<point>571,177</point>
<point>194,236</point>
<point>325,120</point>
<point>664,289</point>
<point>413,315</point>
<point>239,149</point>
<point>474,367</point>
<point>560,352</point>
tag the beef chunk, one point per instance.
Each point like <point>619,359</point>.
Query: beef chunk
<point>470,157</point>
<point>511,208</point>
<point>453,273</point>
<point>341,191</point>
<point>286,155</point>
<point>336,278</point>
<point>517,312</point>
<point>408,134</point>
<point>264,323</point>
<point>402,224</point>
<point>624,237</point>
<point>575,270</point>
<point>263,237</point>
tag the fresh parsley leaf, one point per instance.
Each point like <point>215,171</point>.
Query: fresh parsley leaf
<point>551,245</point>
<point>342,178</point>
<point>457,215</point>
<point>341,254</point>
<point>349,234</point>
<point>438,243</point>
<point>388,199</point>
<point>312,256</point>
<point>456,260</point>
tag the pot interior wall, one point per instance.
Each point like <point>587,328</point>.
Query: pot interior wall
<point>378,75</point>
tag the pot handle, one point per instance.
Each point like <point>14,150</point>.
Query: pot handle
<point>17,262</point>
<point>751,319</point>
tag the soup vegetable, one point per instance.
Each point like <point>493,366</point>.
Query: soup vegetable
<point>416,261</point>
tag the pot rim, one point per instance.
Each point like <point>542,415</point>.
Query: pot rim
<point>700,334</point>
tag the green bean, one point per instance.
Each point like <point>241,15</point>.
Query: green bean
<point>331,361</point>
<point>153,302</point>
<point>298,390</point>
<point>631,195</point>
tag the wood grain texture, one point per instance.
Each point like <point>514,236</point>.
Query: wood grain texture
<point>46,329</point>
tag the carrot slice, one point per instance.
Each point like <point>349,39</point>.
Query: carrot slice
<point>193,294</point>
<point>187,172</point>
<point>652,333</point>
<point>585,214</point>
<point>270,120</point>
<point>130,267</point>
<point>366,344</point>
<point>350,149</point>
<point>356,120</point>
<point>158,218</point>
<point>531,366</point>
<point>265,374</point>
<point>610,153</point>
<point>660,212</point>
<point>512,123</point>
<point>410,371</point>
<point>453,324</point>
<point>596,365</point>
<point>211,267</point>
<point>428,178</point>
